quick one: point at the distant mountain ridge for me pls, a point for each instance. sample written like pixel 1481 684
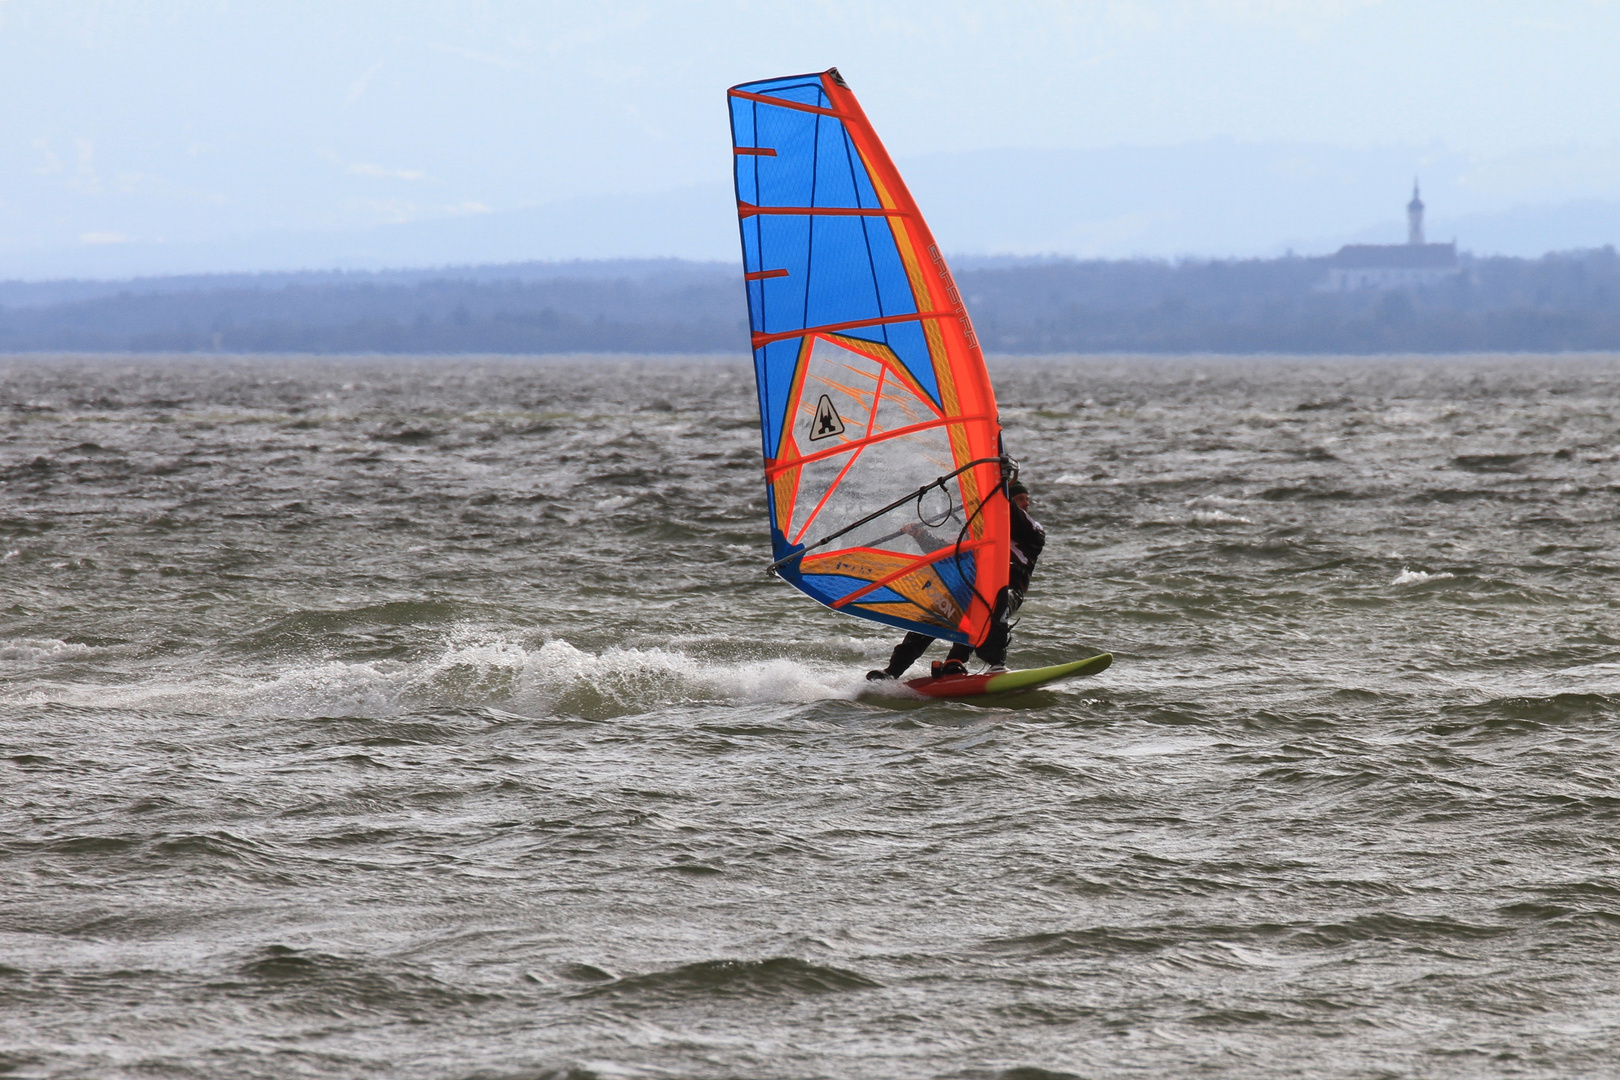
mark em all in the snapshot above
pixel 1212 199
pixel 58 291
pixel 1567 301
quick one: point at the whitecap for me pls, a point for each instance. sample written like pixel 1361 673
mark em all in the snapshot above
pixel 475 669
pixel 1408 576
pixel 1218 517
pixel 1217 501
pixel 42 650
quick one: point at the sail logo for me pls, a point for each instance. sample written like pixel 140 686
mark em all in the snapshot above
pixel 827 422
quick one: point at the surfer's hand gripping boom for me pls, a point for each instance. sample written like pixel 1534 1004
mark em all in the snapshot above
pixel 940 482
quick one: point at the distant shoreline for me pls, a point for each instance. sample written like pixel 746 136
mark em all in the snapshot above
pixel 1561 303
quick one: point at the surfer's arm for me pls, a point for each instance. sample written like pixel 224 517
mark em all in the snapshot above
pixel 1028 538
pixel 925 539
pixel 1027 535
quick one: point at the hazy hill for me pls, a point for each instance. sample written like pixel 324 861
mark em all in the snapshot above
pixel 1567 301
pixel 1175 201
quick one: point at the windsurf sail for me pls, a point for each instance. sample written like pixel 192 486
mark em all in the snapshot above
pixel 875 406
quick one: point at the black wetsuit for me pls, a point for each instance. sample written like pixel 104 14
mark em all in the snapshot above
pixel 1028 538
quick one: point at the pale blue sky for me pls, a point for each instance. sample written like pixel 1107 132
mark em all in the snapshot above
pixel 166 123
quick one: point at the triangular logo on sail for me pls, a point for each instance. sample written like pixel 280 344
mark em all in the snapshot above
pixel 827 422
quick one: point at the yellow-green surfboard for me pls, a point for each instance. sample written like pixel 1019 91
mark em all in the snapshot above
pixel 1007 682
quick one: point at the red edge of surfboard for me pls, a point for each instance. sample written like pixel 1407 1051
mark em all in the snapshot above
pixel 953 686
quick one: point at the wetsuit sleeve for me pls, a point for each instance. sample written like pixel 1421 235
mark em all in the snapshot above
pixel 929 542
pixel 1028 538
pixel 1028 535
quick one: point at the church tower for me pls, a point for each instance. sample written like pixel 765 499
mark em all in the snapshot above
pixel 1414 216
pixel 1414 264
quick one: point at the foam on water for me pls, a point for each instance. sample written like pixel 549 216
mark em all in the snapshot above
pixel 1408 576
pixel 474 669
pixel 1218 517
pixel 37 652
pixel 1218 501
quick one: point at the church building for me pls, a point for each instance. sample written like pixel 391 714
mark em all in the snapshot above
pixel 1393 266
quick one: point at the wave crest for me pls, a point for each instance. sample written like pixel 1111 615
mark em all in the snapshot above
pixel 472 671
pixel 1408 576
pixel 780 976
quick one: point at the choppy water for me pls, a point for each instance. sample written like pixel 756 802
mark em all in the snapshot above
pixel 434 719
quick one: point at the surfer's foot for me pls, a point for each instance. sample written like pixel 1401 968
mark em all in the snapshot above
pixel 946 668
pixel 995 669
pixel 877 676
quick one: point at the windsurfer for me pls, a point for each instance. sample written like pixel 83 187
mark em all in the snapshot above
pixel 1028 538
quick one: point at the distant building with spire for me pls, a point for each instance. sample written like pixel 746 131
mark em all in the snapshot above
pixel 1393 266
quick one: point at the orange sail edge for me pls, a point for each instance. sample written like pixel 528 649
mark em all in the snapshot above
pixel 965 386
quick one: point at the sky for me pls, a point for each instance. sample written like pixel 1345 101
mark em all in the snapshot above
pixel 172 135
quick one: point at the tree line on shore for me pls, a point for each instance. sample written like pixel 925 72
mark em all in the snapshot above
pixel 1560 302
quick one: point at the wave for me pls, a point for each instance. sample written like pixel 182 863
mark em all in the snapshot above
pixel 1217 501
pixel 780 976
pixel 1250 945
pixel 1217 517
pixel 306 981
pixel 36 651
pixel 473 670
pixel 1536 710
pixel 1408 576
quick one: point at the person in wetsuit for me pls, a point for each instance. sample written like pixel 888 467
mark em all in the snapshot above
pixel 1028 538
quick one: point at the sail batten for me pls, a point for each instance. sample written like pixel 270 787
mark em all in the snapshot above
pixel 854 324
pixel 871 383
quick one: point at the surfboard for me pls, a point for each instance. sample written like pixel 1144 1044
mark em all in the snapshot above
pixel 1006 682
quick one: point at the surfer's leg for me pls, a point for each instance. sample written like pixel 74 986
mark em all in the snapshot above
pixel 955 661
pixel 905 654
pixel 994 649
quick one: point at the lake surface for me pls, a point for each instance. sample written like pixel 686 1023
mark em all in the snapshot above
pixel 436 719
